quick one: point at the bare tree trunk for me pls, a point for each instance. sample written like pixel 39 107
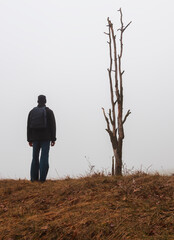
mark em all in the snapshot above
pixel 113 167
pixel 118 161
pixel 115 119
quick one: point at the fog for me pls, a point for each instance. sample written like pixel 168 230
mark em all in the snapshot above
pixel 59 49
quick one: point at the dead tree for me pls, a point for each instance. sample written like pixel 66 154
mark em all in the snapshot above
pixel 115 120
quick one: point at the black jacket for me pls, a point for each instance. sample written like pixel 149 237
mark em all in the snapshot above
pixel 46 134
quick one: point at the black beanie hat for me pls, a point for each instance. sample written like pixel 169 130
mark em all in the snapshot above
pixel 41 99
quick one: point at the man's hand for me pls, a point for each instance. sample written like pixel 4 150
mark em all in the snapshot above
pixel 30 144
pixel 52 143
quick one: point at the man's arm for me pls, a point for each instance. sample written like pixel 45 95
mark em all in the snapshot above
pixel 29 131
pixel 53 128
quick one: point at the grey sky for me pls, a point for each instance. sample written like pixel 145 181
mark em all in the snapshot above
pixel 58 48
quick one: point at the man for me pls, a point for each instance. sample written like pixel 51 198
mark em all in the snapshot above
pixel 41 131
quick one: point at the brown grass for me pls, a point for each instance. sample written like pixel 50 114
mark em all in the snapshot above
pixel 139 206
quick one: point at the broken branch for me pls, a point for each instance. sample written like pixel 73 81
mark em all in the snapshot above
pixel 107 120
pixel 127 114
pixel 127 26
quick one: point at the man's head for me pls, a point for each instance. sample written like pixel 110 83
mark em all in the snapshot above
pixel 41 99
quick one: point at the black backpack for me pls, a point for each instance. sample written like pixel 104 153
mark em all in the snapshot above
pixel 38 118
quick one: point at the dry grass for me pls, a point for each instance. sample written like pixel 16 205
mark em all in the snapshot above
pixel 138 206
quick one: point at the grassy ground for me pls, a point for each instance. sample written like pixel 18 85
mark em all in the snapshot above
pixel 138 206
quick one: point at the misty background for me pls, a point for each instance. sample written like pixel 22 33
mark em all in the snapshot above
pixel 59 49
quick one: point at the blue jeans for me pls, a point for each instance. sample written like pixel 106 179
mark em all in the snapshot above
pixel 41 166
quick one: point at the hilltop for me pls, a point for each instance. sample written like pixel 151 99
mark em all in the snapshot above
pixel 138 206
